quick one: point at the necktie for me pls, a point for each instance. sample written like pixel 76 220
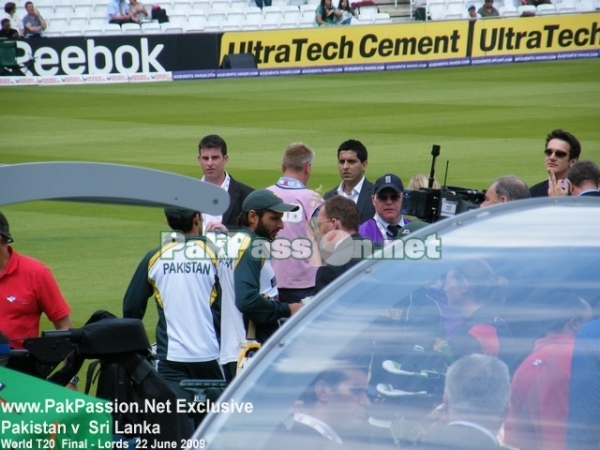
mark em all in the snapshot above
pixel 393 230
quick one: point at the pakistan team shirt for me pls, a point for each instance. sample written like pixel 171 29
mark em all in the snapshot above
pixel 252 268
pixel 183 278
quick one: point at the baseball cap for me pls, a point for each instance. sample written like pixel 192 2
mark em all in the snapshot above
pixel 389 181
pixel 266 199
pixel 4 229
pixel 470 6
pixel 411 227
pixel 185 213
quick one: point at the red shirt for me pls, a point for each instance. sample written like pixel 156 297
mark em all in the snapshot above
pixel 540 396
pixel 28 289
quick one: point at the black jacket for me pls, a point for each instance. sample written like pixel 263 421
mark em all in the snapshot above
pixel 237 193
pixel 364 203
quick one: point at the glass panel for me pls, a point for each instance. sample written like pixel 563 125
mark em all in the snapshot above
pixel 383 329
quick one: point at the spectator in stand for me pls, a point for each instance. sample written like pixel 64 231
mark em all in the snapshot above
pixel 347 13
pixel 6 32
pixel 562 151
pixel 261 3
pixel 420 10
pixel 33 22
pixel 505 189
pixel 10 11
pixel 472 13
pixel 118 12
pixel 138 12
pixel 488 10
pixel 540 388
pixel 326 14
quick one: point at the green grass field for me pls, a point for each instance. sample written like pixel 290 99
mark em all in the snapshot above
pixel 490 121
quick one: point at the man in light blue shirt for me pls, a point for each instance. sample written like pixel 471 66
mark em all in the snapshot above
pixel 118 12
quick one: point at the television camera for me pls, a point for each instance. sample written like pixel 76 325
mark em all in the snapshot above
pixel 431 205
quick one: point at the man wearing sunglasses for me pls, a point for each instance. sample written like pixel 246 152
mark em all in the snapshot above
pixel 388 220
pixel 583 179
pixel 562 151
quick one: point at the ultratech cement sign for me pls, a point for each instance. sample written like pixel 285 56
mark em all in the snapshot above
pixel 119 54
pixel 351 44
pixel 546 34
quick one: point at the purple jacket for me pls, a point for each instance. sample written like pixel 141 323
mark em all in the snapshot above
pixel 370 230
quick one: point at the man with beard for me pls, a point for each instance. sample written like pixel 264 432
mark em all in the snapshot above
pixel 262 213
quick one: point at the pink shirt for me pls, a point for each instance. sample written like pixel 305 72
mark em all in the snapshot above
pixel 296 268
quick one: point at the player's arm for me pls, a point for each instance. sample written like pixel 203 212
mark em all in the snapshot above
pixel 139 291
pixel 247 293
pixel 63 324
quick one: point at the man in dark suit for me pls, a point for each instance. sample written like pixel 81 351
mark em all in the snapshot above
pixel 337 228
pixel 584 179
pixel 352 162
pixel 332 412
pixel 477 395
pixel 562 151
pixel 213 158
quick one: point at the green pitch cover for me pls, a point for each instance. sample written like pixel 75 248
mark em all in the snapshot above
pixel 37 414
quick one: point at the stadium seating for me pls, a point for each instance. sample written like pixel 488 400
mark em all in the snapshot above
pixel 508 11
pixel 545 9
pixel 151 28
pixel 584 6
pixel 436 9
pixel 527 10
pixel 89 17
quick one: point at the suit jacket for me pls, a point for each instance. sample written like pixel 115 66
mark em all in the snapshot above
pixel 326 274
pixel 237 193
pixel 590 194
pixel 540 189
pixel 364 202
pixel 459 437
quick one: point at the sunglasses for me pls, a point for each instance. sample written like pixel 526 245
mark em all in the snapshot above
pixel 558 153
pixel 386 197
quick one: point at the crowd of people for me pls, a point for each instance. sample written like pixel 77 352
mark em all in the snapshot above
pixel 223 280
pixel 32 25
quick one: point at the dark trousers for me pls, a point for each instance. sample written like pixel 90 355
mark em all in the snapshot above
pixel 175 372
pixel 230 371
pixel 295 295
